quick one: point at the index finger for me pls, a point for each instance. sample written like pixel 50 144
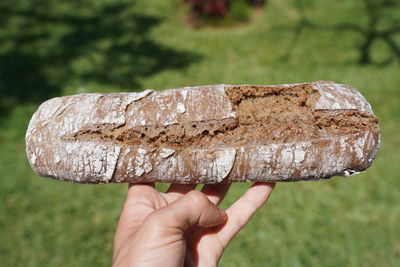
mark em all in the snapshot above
pixel 243 209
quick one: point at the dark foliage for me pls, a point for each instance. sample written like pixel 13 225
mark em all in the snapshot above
pixel 45 45
pixel 380 25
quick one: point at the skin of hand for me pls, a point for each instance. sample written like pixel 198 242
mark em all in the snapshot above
pixel 182 227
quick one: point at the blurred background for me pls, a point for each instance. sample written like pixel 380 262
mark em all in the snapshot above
pixel 52 48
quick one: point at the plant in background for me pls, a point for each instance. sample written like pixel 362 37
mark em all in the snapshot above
pixel 221 12
pixel 215 8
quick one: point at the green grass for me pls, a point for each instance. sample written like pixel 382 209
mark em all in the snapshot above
pixel 339 222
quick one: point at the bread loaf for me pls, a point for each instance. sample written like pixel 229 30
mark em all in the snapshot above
pixel 205 134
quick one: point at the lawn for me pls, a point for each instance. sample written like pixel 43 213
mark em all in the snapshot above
pixel 53 48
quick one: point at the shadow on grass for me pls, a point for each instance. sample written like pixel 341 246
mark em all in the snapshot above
pixel 376 14
pixel 45 45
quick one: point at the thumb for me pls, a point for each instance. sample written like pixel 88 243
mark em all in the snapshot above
pixel 194 208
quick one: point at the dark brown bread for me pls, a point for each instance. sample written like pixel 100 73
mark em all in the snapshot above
pixel 206 134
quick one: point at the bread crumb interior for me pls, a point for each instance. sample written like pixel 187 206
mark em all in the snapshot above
pixel 276 114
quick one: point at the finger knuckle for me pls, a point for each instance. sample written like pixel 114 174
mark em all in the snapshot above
pixel 238 220
pixel 152 219
pixel 198 198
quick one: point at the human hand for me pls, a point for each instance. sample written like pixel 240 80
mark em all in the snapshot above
pixel 182 226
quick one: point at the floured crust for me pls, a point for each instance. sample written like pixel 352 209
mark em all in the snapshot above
pixel 205 134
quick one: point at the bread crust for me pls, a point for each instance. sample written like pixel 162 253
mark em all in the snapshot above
pixel 205 134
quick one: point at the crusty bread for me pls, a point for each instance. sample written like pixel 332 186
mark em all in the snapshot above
pixel 205 134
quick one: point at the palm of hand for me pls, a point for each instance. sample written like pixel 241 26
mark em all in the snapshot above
pixel 142 237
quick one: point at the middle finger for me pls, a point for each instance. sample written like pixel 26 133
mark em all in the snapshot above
pixel 175 191
pixel 215 192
